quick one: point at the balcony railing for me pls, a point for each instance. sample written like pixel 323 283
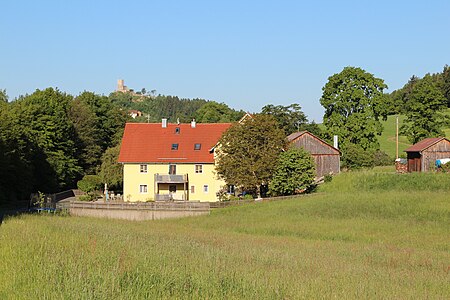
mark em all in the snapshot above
pixel 170 197
pixel 170 178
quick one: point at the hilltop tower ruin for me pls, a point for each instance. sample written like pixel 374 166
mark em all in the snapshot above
pixel 121 87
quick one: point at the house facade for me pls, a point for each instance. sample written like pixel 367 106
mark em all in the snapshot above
pixel 423 155
pixel 326 157
pixel 164 161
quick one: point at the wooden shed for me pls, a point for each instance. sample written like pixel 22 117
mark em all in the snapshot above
pixel 326 157
pixel 423 155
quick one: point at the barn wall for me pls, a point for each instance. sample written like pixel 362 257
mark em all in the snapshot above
pixel 437 151
pixel 326 158
pixel 313 145
pixel 326 164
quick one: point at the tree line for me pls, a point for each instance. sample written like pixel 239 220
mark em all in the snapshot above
pixel 355 102
pixel 49 140
pixel 256 154
pixel 423 101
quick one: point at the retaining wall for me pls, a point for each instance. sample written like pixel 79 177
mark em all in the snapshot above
pixel 139 211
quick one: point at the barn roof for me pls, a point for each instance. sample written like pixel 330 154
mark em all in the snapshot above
pixel 152 143
pixel 424 144
pixel 293 136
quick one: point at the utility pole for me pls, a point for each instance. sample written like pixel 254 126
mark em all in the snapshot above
pixel 396 138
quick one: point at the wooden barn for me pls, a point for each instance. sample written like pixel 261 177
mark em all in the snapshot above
pixel 326 157
pixel 423 155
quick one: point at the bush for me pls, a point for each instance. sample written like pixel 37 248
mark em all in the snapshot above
pixel 89 184
pixel 294 174
pixel 355 157
pixel 248 197
pixel 87 197
pixel 381 158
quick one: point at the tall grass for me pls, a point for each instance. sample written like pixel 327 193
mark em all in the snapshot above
pixel 360 236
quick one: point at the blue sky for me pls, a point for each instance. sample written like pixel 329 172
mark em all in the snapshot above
pixel 244 53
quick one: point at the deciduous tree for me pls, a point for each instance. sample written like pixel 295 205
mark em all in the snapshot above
pixel 354 101
pixel 3 96
pixel 424 111
pixel 294 173
pixel 290 118
pixel 248 152
pixel 111 171
pixel 42 117
pixel 213 112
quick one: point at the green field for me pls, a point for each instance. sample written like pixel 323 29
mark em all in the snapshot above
pixel 387 138
pixel 364 235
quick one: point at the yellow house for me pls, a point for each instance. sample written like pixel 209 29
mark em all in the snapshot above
pixel 164 161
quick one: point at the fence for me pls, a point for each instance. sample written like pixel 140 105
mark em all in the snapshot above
pixel 223 204
pixel 50 201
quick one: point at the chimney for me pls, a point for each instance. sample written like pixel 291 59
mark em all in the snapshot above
pixel 193 123
pixel 335 142
pixel 164 123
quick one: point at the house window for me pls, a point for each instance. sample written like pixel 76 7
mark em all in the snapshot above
pixel 143 189
pixel 197 146
pixel 143 168
pixel 177 130
pixel 199 169
pixel 172 169
pixel 174 146
pixel 192 189
pixel 205 188
pixel 172 188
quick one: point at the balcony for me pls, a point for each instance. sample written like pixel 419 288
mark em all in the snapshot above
pixel 166 178
pixel 170 197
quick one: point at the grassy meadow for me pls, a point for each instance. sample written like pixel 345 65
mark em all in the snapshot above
pixel 370 235
pixel 387 138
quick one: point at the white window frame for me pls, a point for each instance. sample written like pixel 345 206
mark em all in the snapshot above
pixel 141 187
pixel 205 188
pixel 143 168
pixel 198 169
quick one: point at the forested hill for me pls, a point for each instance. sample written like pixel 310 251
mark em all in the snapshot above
pixel 424 102
pixel 174 108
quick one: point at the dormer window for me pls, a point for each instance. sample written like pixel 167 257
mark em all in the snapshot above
pixel 174 146
pixel 197 146
pixel 177 130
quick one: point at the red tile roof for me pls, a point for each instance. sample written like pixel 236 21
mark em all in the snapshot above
pixel 424 144
pixel 150 143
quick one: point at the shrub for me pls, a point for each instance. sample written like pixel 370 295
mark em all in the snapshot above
pixel 89 184
pixel 355 157
pixel 294 173
pixel 248 197
pixel 328 178
pixel 87 197
pixel 381 158
pixel 222 194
